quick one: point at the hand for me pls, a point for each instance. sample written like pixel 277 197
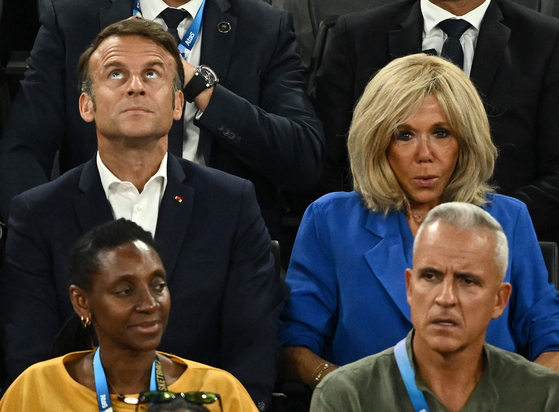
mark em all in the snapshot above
pixel 203 99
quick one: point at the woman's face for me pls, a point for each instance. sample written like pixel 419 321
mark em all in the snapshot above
pixel 423 155
pixel 129 300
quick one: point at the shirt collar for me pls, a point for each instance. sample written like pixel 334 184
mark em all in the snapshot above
pixel 152 8
pixel 108 178
pixel 433 15
pixel 485 395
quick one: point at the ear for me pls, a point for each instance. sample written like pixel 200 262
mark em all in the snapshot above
pixel 409 274
pixel 86 108
pixel 179 103
pixel 502 298
pixel 80 301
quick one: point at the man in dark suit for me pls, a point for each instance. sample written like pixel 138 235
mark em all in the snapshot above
pixel 258 124
pixel 514 61
pixel 216 250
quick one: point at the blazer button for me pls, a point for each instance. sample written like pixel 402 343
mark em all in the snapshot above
pixel 220 127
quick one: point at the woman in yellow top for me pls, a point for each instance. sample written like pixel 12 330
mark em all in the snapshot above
pixel 118 288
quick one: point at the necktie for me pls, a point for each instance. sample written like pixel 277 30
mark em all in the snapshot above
pixel 452 49
pixel 172 18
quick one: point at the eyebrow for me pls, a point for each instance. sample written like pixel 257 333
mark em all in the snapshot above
pixel 463 275
pixel 459 275
pixel 405 125
pixel 117 64
pixel 431 270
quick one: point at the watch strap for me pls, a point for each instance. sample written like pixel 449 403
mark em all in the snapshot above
pixel 194 87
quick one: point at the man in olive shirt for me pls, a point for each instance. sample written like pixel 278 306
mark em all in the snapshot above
pixel 454 290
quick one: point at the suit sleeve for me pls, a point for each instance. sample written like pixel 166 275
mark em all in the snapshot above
pixel 280 137
pixel 251 305
pixel 542 195
pixel 310 313
pixel 334 105
pixel 37 121
pixel 29 313
pixel 534 303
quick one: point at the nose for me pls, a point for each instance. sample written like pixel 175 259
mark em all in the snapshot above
pixel 147 301
pixel 136 86
pixel 424 150
pixel 446 296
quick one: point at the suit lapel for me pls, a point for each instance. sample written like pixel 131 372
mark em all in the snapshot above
pixel 387 258
pixel 217 47
pixel 407 40
pixel 92 207
pixel 490 48
pixel 174 214
pixel 116 11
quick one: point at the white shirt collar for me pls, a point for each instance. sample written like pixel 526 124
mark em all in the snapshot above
pixel 152 8
pixel 108 178
pixel 433 15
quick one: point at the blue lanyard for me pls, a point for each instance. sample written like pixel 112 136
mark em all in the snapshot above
pixel 416 396
pixel 191 35
pixel 101 385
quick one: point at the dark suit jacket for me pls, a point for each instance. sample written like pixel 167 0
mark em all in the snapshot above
pixel 515 69
pixel 263 126
pixel 225 296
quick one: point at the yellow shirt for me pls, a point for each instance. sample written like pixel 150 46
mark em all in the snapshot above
pixel 47 387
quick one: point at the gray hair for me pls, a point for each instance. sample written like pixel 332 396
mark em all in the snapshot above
pixel 465 216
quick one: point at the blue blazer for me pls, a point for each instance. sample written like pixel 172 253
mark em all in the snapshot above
pixel 225 297
pixel 348 292
pixel 514 70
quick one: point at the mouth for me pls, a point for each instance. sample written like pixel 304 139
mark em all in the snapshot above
pixel 136 110
pixel 425 181
pixel 148 327
pixel 444 322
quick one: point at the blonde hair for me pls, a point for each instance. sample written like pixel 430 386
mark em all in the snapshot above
pixel 390 98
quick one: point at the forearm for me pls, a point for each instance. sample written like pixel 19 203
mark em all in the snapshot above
pixel 303 365
pixel 549 360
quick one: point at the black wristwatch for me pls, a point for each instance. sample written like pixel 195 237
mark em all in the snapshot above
pixel 203 79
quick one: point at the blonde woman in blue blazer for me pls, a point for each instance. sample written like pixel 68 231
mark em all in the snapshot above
pixel 419 137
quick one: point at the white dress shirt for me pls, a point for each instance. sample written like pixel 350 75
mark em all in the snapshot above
pixel 434 37
pixel 127 202
pixel 150 11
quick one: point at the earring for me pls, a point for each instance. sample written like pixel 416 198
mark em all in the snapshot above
pixel 85 321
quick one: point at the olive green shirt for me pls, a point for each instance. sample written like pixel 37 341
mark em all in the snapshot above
pixel 509 383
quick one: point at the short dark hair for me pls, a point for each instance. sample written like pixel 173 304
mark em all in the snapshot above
pixel 130 27
pixel 83 263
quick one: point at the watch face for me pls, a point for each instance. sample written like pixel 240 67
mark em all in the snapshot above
pixel 208 75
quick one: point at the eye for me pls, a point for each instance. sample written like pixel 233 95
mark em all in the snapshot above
pixel 429 276
pixel 441 133
pixel 123 291
pixel 116 75
pixel 469 281
pixel 160 286
pixel 151 74
pixel 403 135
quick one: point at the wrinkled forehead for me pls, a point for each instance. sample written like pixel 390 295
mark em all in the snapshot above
pixel 446 248
pixel 130 51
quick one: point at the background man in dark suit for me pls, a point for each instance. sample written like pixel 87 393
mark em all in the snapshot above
pixel 216 249
pixel 512 56
pixel 258 124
